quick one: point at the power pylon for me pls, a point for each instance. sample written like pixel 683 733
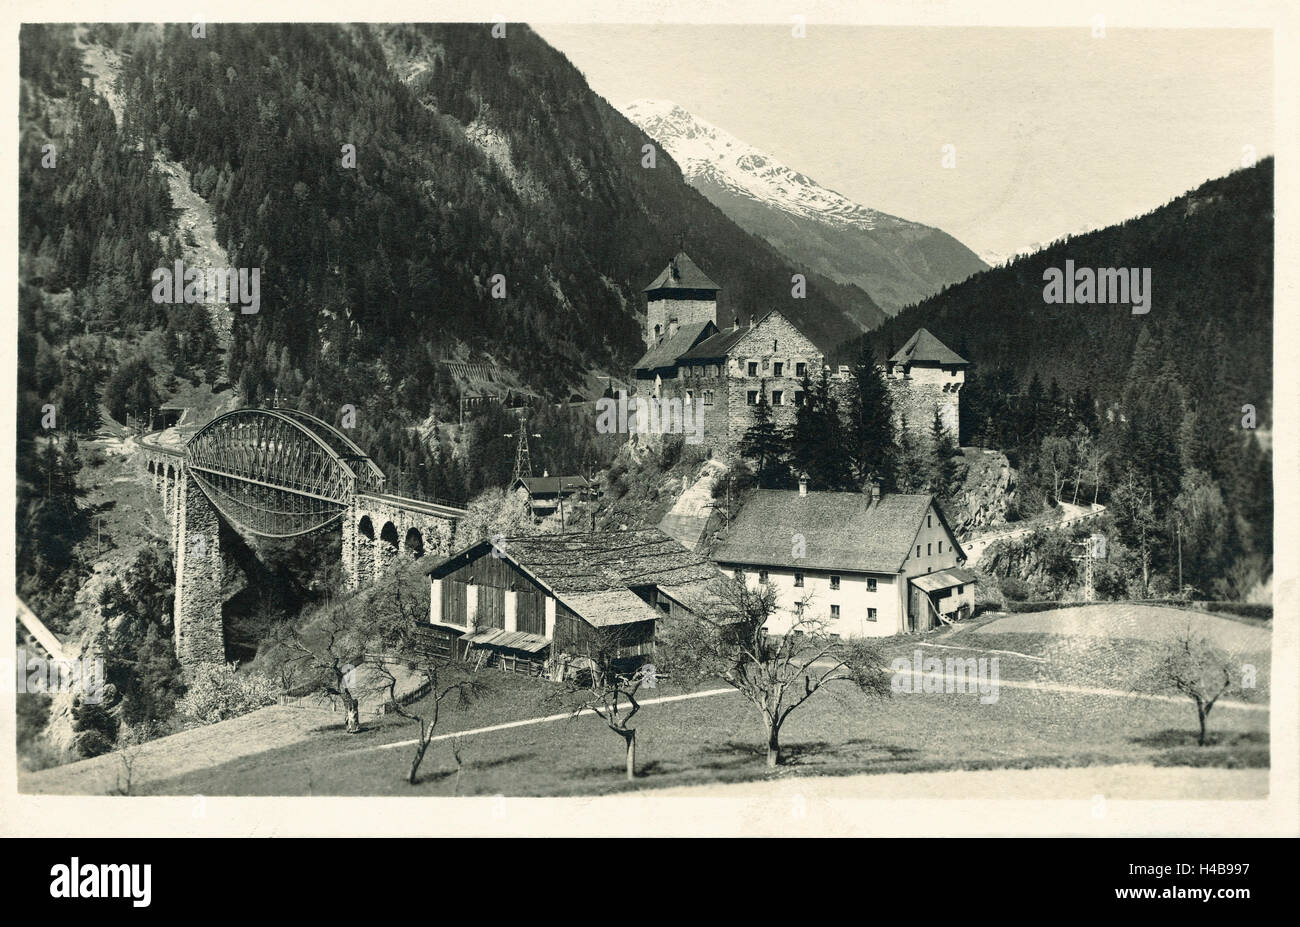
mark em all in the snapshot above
pixel 523 463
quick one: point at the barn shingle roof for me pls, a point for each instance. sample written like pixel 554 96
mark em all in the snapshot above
pixel 841 530
pixel 924 348
pixel 601 561
pixel 594 573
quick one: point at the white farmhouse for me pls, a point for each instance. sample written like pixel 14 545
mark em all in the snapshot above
pixel 868 565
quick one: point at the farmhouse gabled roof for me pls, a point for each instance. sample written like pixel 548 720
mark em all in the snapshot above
pixel 671 347
pixel 841 531
pixel 924 348
pixel 682 273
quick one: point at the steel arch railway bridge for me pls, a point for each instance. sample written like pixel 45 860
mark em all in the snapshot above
pixel 277 473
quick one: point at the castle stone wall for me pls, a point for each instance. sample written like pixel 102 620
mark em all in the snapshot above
pixel 686 311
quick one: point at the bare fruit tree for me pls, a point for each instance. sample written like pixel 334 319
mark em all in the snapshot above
pixel 775 673
pixel 1191 665
pixel 323 656
pixel 606 685
pixel 404 655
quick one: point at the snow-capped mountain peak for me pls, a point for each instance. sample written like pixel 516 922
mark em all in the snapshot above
pixel 706 153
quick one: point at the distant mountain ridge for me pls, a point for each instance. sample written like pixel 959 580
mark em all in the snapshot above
pixel 896 261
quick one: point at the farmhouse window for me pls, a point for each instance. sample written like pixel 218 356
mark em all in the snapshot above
pixel 959 589
pixel 835 582
pixel 918 550
pixel 753 368
pixel 927 550
pixel 778 397
pixel 801 370
pixel 835 613
pixel 762 576
pixel 778 369
pixel 871 584
pixel 798 580
pixel 941 547
pixel 871 614
pixel 752 397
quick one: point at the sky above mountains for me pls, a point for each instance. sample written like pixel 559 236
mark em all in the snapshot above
pixel 1053 131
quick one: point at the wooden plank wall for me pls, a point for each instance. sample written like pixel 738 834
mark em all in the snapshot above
pixel 453 602
pixel 530 612
pixel 491 607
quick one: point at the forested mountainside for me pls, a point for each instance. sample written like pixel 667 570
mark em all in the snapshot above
pixel 1210 252
pixel 475 156
pixel 1165 417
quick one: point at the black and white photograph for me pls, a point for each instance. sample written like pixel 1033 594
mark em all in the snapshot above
pixel 781 411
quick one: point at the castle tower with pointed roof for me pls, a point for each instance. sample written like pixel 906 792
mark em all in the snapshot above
pixel 925 375
pixel 681 296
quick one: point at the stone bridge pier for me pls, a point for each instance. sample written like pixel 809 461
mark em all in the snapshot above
pixel 197 632
pixel 380 531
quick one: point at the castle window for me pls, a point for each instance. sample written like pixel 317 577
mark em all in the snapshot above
pixel 778 369
pixel 690 396
pixel 918 550
pixel 928 521
pixel 871 614
pixel 778 397
pixel 835 613
pixel 708 397
pixel 871 584
pixel 751 397
pixel 941 547
pixel 753 368
pixel 835 582
pixel 959 589
pixel 927 550
pixel 798 580
pixel 656 332
pixel 801 370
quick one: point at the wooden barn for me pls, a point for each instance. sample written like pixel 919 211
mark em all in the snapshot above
pixel 531 603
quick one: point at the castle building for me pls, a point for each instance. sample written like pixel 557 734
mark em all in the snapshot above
pixel 923 376
pixel 718 370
